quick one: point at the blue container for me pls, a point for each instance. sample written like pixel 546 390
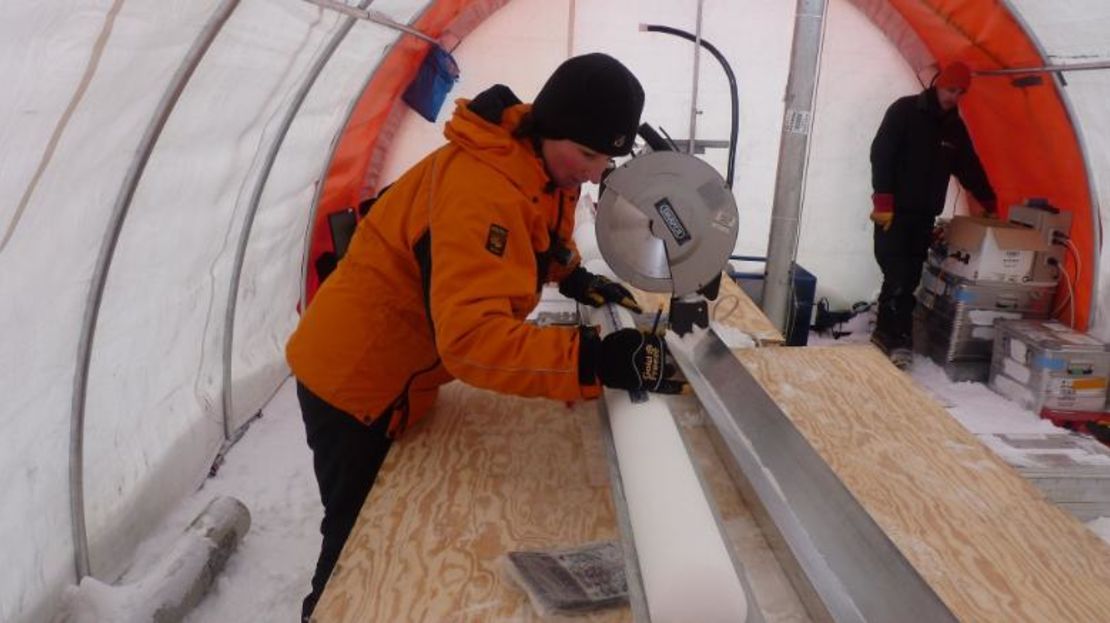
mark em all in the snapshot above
pixel 805 290
pixel 434 80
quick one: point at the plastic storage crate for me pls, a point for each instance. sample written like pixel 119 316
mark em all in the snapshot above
pixel 1046 365
pixel 954 322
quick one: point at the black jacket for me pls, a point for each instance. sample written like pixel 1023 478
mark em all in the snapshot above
pixel 918 146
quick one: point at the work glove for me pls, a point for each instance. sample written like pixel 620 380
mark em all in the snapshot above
pixel 882 212
pixel 629 359
pixel 595 290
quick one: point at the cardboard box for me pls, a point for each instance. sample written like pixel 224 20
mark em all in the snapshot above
pixel 983 249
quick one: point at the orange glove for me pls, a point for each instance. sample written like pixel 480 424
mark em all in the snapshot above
pixel 882 213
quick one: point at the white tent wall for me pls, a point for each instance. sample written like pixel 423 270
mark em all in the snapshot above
pixel 73 109
pixel 153 417
pixel 1078 31
pixel 835 238
pixel 83 79
pixel 156 373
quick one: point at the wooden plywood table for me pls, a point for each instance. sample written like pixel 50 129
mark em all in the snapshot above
pixel 981 536
pixel 489 473
pixel 732 308
pixel 483 475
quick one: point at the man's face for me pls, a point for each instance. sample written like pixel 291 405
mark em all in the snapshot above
pixel 570 164
pixel 949 97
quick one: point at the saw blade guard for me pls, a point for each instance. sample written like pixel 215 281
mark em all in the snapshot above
pixel 666 222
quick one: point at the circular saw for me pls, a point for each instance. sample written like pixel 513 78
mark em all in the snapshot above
pixel 666 222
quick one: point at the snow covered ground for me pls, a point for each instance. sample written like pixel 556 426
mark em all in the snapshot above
pixel 270 470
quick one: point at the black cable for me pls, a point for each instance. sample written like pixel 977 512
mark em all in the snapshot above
pixel 670 140
pixel 735 131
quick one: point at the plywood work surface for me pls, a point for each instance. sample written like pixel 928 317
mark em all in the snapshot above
pixel 483 475
pixel 984 539
pixel 733 308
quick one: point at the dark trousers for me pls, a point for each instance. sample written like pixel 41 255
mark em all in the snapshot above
pixel 901 253
pixel 346 455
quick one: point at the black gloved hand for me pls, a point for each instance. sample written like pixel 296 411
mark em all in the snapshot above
pixel 596 290
pixel 631 359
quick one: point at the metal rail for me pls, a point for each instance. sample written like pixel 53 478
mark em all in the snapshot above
pixel 857 573
pixel 104 263
pixel 790 176
pixel 1045 68
pixel 291 112
pixel 371 16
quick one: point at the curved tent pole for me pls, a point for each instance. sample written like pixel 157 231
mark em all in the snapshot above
pixel 371 16
pixel 452 20
pixel 1065 97
pixel 255 199
pixel 734 97
pixel 103 264
pixel 305 257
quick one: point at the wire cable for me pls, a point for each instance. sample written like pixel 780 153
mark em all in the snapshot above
pixel 1069 300
pixel 1075 256
pixel 1071 297
pixel 733 92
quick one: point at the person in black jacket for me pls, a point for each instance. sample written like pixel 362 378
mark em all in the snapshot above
pixel 920 143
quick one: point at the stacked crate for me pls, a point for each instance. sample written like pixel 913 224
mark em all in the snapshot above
pixel 1050 369
pixel 954 318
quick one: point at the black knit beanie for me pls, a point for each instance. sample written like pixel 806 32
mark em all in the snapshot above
pixel 592 100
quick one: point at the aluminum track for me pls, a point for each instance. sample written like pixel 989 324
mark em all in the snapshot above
pixel 841 555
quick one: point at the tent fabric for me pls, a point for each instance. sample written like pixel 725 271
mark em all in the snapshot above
pixel 352 174
pixel 82 81
pixel 1024 135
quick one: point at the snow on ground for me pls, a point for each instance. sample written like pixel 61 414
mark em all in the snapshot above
pixel 270 470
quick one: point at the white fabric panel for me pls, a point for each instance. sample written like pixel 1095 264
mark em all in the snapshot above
pixel 270 284
pixel 1090 92
pixel 1078 31
pixel 77 97
pixel 82 78
pixel 835 241
pixel 154 418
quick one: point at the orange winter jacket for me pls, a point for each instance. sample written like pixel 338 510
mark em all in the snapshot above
pixel 439 277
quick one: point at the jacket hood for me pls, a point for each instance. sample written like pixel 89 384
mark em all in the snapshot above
pixel 483 127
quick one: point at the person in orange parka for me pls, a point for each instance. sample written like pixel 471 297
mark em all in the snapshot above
pixel 443 270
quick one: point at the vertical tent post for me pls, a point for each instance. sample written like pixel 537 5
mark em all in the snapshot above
pixel 801 91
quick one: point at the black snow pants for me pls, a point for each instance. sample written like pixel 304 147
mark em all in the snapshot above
pixel 346 455
pixel 901 253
